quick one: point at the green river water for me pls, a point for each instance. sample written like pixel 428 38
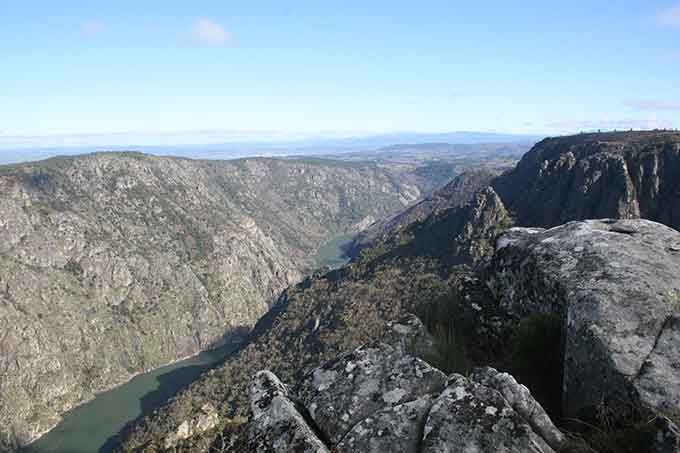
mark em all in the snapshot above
pixel 93 426
pixel 332 253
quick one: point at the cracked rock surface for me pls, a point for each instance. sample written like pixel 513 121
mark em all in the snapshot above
pixel 343 392
pixel 397 427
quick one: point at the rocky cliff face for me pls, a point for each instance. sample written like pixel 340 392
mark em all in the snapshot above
pixel 114 263
pixel 588 176
pixel 593 176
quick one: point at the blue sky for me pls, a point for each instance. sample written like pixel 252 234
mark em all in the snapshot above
pixel 309 67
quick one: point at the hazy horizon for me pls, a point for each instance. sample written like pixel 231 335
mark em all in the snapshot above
pixel 257 138
pixel 245 146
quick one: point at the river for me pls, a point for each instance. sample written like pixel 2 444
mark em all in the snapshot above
pixel 93 426
pixel 332 253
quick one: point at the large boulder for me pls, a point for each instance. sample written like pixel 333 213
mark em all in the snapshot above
pixel 616 284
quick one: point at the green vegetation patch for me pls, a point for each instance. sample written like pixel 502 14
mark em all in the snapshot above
pixel 72 266
pixel 333 253
pixel 673 298
pixel 626 429
pixel 536 358
pixel 443 319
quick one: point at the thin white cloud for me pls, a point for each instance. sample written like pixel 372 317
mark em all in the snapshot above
pixel 93 27
pixel 208 32
pixel 653 105
pixel 670 16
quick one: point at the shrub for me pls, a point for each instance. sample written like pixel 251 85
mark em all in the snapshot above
pixel 448 352
pixel 73 267
pixel 536 358
pixel 442 318
pixel 620 428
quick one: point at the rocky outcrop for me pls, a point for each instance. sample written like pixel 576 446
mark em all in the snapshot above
pixel 593 176
pixel 468 416
pixel 343 392
pixel 453 236
pixel 115 263
pixel 207 420
pixel 462 189
pixel 379 398
pixel 615 284
pixel 483 219
pixel 520 399
pixel 277 424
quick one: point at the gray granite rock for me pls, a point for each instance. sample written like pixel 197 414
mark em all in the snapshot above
pixel 396 429
pixel 520 399
pixel 277 425
pixel 470 417
pixel 380 398
pixel 658 379
pixel 350 388
pixel 616 285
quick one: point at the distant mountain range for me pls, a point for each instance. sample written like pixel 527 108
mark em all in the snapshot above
pixel 23 149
